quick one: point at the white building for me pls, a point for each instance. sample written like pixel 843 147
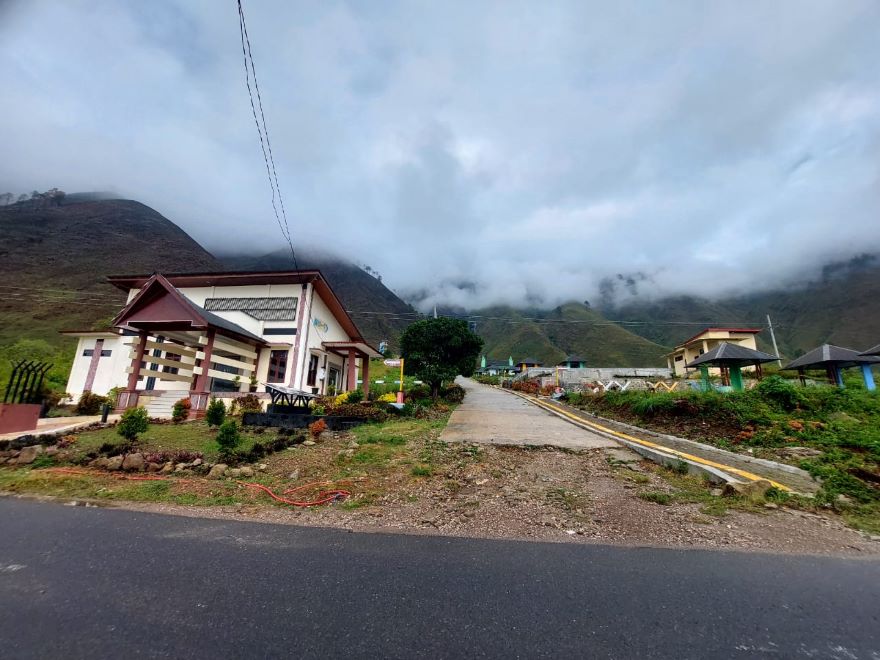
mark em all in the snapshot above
pixel 221 334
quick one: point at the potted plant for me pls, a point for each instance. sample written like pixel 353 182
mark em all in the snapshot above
pixel 253 387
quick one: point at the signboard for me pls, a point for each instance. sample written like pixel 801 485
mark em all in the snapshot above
pixel 392 363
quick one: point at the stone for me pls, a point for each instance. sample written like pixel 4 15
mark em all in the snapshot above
pixel 843 499
pixel 247 471
pixel 770 505
pixel 262 467
pixel 100 463
pixel 134 462
pixel 325 436
pixel 153 467
pixel 168 468
pixel 293 476
pixel 218 471
pixel 798 452
pixel 115 463
pixel 309 443
pixel 52 451
pixel 29 454
pixel 233 473
pixel 197 462
pixel 716 492
pixel 753 490
pixel 353 444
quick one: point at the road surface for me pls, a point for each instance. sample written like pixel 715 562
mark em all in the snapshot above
pixel 81 582
pixel 491 416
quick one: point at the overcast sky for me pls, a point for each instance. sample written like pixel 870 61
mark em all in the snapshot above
pixel 525 150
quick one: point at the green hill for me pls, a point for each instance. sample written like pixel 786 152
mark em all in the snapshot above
pixel 842 306
pixel 571 328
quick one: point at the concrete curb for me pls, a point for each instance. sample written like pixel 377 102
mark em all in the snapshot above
pixel 716 473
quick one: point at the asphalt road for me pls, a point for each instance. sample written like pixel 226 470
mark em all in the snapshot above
pixel 104 583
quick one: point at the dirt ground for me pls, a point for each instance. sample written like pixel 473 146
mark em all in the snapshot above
pixel 543 494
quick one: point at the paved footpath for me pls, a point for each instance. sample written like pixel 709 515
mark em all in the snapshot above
pixel 494 417
pixel 101 583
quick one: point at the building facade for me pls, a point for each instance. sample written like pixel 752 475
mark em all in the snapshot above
pixel 705 341
pixel 221 334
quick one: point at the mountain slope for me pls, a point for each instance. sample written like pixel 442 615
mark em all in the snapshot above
pixel 841 307
pixel 571 328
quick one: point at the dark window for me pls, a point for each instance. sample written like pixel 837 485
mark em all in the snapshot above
pixel 277 366
pixel 679 358
pixel 106 353
pixel 313 371
pixel 89 352
pixel 332 380
pixel 171 370
pixel 279 331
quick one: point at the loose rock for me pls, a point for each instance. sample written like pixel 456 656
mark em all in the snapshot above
pixel 218 471
pixel 247 471
pixel 29 454
pixel 133 462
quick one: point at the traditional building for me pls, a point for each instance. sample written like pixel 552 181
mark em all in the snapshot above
pixel 573 362
pixel 221 334
pixel 705 341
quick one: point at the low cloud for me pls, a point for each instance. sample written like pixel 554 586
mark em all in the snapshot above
pixel 472 153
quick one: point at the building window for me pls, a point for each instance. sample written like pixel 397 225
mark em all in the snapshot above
pixel 171 370
pixel 679 358
pixel 313 371
pixel 332 380
pixel 277 366
pixel 89 352
pixel 279 331
pixel 106 353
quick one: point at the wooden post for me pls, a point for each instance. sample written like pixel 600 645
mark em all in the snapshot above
pixel 351 383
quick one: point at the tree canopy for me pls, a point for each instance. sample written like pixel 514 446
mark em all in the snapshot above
pixel 437 350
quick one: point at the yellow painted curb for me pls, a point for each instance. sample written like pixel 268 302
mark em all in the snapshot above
pixel 653 445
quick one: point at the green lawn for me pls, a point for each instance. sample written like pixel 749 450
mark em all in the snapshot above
pixel 190 436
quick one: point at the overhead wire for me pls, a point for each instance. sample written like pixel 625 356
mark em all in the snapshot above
pixel 263 132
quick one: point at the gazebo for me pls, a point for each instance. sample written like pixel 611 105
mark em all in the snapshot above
pixel 833 359
pixel 731 358
pixel 874 350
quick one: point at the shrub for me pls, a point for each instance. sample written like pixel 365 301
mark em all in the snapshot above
pixel 249 403
pixel 417 392
pixel 90 404
pixel 341 398
pixel 134 422
pixel 780 391
pixel 453 394
pixel 317 427
pixel 216 412
pixel 180 411
pixel 389 397
pixel 173 455
pixel 375 413
pixel 228 436
pixel 355 396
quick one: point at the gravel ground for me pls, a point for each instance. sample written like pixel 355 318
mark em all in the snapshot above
pixel 543 494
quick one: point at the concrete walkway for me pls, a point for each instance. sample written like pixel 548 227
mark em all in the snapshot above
pixel 491 416
pixel 49 425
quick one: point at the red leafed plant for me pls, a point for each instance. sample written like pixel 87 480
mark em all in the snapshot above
pixel 316 428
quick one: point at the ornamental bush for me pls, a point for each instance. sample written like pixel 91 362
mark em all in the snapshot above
pixel 317 427
pixel 180 411
pixel 228 436
pixel 216 412
pixel 90 404
pixel 134 422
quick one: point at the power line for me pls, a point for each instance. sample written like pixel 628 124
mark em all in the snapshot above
pixel 263 130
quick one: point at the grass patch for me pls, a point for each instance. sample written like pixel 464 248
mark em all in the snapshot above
pixel 422 471
pixel 656 497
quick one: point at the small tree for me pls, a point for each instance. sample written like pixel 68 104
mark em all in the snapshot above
pixel 437 350
pixel 228 437
pixel 134 422
pixel 180 411
pixel 216 412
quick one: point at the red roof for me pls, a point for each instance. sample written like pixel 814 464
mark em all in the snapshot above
pixel 753 331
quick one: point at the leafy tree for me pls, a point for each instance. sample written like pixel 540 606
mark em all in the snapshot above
pixel 7 198
pixel 216 412
pixel 134 422
pixel 437 350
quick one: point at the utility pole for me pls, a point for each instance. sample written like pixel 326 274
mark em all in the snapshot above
pixel 773 339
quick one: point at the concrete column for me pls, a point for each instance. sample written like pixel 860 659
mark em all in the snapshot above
pixel 869 377
pixel 203 378
pixel 736 379
pixel 351 383
pixel 136 361
pixel 365 370
pixel 704 376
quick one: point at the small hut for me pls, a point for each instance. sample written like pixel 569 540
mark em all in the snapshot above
pixel 730 358
pixel 573 362
pixel 833 359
